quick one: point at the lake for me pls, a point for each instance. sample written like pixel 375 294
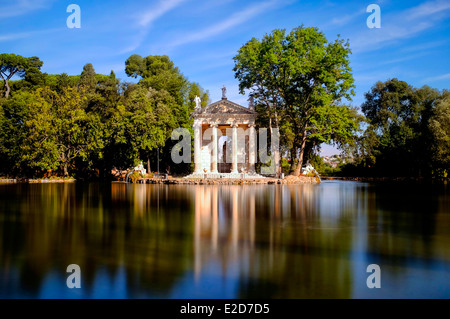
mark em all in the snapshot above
pixel 225 241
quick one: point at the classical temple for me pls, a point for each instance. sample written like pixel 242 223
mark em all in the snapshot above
pixel 224 140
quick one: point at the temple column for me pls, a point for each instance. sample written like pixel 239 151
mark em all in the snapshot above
pixel 234 166
pixel 197 147
pixel 214 155
pixel 252 148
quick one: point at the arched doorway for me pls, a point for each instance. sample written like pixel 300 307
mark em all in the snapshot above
pixel 223 151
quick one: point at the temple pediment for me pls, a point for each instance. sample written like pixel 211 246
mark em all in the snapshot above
pixel 224 107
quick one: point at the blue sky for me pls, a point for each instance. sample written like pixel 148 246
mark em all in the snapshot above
pixel 202 36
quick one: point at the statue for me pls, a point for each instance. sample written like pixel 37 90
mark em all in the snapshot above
pixel 251 103
pixel 224 93
pixel 197 101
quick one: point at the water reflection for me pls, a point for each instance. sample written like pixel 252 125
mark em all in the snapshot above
pixel 227 241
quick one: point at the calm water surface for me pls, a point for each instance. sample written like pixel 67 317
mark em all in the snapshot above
pixel 260 241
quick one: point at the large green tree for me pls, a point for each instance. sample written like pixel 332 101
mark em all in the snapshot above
pixel 294 77
pixel 78 131
pixel 398 116
pixel 12 64
pixel 27 138
pixel 159 73
pixel 404 132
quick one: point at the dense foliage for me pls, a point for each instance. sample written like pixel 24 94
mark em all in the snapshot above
pixel 407 134
pixel 298 81
pixel 89 124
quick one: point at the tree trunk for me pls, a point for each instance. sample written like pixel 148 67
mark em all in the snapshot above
pixel 300 157
pixel 293 160
pixel 66 172
pixel 8 89
pixel 277 151
pixel 148 165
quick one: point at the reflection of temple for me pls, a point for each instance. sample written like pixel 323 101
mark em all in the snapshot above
pixel 224 140
pixel 223 224
pixel 225 227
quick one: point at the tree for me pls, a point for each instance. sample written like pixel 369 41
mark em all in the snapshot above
pixel 336 124
pixel 440 129
pixel 149 120
pixel 295 77
pixel 62 81
pixel 28 138
pixel 88 77
pixel 33 75
pixel 196 90
pixel 78 132
pixel 398 117
pixel 134 66
pixel 160 73
pixel 12 64
pixel 402 138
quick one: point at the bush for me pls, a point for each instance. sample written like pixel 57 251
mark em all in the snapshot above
pixel 285 166
pixel 135 176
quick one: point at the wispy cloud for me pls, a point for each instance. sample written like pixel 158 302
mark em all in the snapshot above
pixel 424 46
pixel 235 20
pixel 404 58
pixel 147 18
pixel 437 78
pixel 137 40
pixel 21 7
pixel 428 8
pixel 154 13
pixel 402 25
pixel 344 19
pixel 21 35
pixel 382 37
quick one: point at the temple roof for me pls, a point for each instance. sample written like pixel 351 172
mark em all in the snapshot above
pixel 223 107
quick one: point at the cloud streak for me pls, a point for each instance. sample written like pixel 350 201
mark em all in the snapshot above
pixel 154 13
pixel 21 35
pixel 428 8
pixel 22 7
pixel 147 18
pixel 235 20
pixel 437 78
pixel 344 19
pixel 403 25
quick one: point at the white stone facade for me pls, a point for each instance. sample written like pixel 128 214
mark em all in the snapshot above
pixel 230 127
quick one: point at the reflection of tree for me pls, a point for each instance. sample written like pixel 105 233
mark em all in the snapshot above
pixel 279 241
pixel 51 226
pixel 274 236
pixel 402 223
pixel 297 257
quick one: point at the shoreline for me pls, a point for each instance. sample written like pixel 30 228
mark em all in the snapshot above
pixel 229 181
pixel 236 181
pixel 35 181
pixel 181 181
pixel 381 179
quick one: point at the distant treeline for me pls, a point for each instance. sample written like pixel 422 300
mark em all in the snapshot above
pixel 406 134
pixel 88 124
